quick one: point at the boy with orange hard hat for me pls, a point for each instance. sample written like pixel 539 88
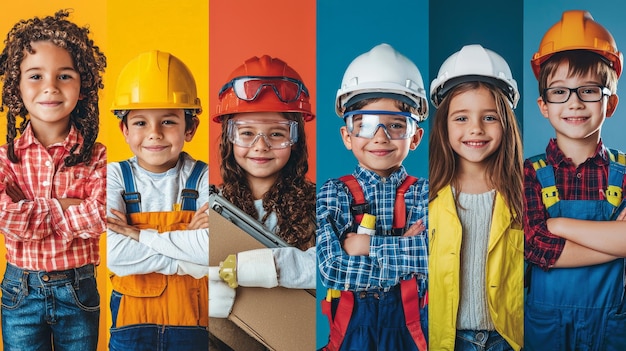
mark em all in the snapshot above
pixel 575 279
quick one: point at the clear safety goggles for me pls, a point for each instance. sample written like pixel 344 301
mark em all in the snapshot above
pixel 396 125
pixel 248 88
pixel 276 135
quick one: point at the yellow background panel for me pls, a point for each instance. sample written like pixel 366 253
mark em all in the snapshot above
pixel 124 29
pixel 133 27
pixel 178 27
pixel 89 13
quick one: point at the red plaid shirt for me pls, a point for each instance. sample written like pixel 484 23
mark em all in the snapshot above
pixel 583 183
pixel 39 235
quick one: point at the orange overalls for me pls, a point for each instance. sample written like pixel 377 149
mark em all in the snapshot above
pixel 155 299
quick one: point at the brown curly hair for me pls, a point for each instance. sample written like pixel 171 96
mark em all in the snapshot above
pixel 292 197
pixel 90 63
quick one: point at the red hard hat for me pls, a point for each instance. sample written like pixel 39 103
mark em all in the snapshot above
pixel 266 101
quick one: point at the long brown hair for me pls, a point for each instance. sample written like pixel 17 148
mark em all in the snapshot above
pixel 291 198
pixel 89 62
pixel 505 165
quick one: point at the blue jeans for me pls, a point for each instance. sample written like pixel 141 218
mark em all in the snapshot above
pixel 480 340
pixel 45 309
pixel 154 337
pixel 378 323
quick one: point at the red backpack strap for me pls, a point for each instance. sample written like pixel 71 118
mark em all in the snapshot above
pixel 339 324
pixel 359 206
pixel 399 207
pixel 408 288
pixel 411 306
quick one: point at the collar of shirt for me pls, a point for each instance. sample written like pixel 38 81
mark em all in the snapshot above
pixel 556 157
pixel 28 138
pixel 183 159
pixel 370 177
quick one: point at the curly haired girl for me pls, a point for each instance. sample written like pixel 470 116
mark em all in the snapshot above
pixel 262 111
pixel 286 197
pixel 53 187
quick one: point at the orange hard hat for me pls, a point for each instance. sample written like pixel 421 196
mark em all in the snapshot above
pixel 577 30
pixel 263 84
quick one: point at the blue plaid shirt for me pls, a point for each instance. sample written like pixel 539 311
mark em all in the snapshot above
pixel 391 258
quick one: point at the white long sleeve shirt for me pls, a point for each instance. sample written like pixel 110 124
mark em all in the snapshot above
pixel 155 252
pixel 295 268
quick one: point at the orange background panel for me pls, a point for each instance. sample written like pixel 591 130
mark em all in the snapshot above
pixel 89 13
pixel 241 29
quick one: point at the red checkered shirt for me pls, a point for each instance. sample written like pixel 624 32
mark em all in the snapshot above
pixel 39 235
pixel 584 182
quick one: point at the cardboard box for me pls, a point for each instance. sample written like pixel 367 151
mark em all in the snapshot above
pixel 232 336
pixel 280 319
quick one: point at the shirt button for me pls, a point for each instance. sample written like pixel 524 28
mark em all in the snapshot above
pixel 45 183
pixel 579 175
pixel 48 164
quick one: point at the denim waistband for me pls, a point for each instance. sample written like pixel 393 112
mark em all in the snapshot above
pixel 378 293
pixel 40 278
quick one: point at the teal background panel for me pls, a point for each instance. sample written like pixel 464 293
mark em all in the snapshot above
pixel 346 29
pixel 539 16
pixel 494 24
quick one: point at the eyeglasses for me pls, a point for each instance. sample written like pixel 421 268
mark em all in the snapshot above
pixel 248 88
pixel 585 93
pixel 396 125
pixel 276 134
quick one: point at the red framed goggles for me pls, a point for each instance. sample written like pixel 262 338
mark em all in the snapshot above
pixel 249 88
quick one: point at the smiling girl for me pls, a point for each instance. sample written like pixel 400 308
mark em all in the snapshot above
pixel 262 110
pixel 476 241
pixel 53 185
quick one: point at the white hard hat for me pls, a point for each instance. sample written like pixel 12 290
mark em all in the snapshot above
pixel 382 72
pixel 474 63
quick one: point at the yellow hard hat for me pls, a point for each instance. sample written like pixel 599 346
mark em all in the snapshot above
pixel 155 80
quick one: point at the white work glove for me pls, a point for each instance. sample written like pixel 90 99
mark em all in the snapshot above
pixel 221 296
pixel 254 268
pixel 195 270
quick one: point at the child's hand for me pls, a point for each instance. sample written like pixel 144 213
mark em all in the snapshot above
pixel 14 192
pixel 415 228
pixel 67 202
pixel 200 219
pixel 622 216
pixel 221 296
pixel 357 244
pixel 119 225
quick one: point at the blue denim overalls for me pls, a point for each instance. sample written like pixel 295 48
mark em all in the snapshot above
pixel 577 308
pixel 377 319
